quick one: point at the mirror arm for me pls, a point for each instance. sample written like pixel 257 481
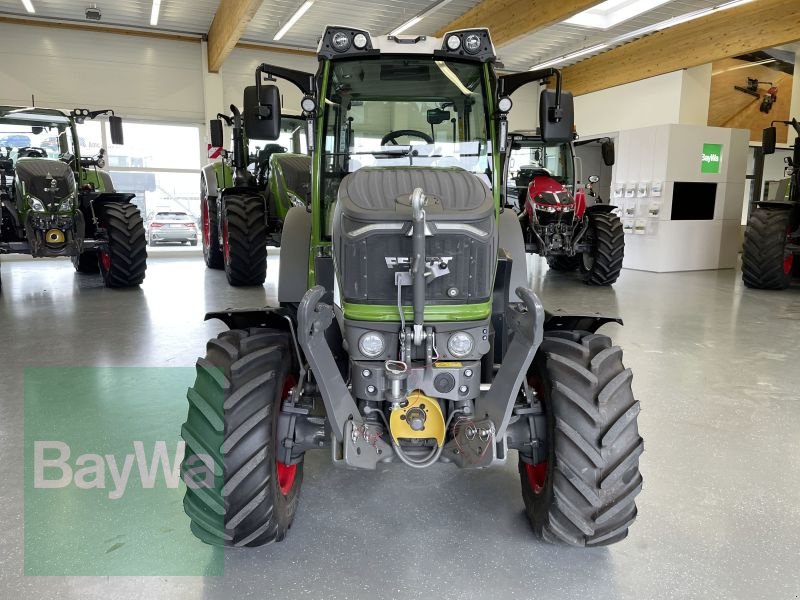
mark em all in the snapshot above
pixel 300 79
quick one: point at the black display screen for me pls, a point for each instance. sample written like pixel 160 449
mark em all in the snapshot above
pixel 693 201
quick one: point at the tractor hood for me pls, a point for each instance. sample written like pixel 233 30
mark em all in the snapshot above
pixel 46 179
pixel 372 234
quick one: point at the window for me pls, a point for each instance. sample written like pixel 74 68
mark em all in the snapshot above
pixel 159 163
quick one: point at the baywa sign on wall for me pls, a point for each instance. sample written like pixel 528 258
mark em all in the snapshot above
pixel 711 159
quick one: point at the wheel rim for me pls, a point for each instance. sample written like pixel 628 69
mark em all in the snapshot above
pixel 537 473
pixel 537 476
pixel 105 260
pixel 788 263
pixel 286 473
pixel 226 250
pixel 206 224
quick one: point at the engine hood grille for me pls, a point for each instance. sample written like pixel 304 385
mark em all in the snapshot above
pixel 48 180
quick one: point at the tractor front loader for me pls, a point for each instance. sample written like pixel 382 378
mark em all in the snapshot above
pixel 406 330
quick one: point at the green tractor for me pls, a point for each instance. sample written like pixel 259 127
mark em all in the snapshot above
pixel 245 196
pixel 56 202
pixel 772 239
pixel 406 330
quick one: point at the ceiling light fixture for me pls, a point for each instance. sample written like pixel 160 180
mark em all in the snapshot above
pixel 293 19
pixel 419 16
pixel 28 6
pixel 661 26
pixel 613 12
pixel 154 12
pixel 570 56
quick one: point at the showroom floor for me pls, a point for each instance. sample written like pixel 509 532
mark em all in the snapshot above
pixel 717 369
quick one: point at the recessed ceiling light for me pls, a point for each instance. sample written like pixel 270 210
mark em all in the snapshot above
pixel 28 6
pixel 418 17
pixel 613 12
pixel 661 26
pixel 154 12
pixel 293 19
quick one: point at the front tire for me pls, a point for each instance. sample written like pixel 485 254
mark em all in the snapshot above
pixel 584 493
pixel 766 265
pixel 212 253
pixel 603 264
pixel 244 240
pixel 123 260
pixel 234 408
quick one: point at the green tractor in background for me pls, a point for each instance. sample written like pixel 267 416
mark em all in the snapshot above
pixel 406 328
pixel 245 196
pixel 55 202
pixel 770 256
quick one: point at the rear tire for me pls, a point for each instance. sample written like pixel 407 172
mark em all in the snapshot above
pixel 244 240
pixel 212 252
pixel 603 264
pixel 584 494
pixel 234 408
pixel 765 263
pixel 86 262
pixel 564 263
pixel 123 260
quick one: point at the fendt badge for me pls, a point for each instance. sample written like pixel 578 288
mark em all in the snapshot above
pixel 397 261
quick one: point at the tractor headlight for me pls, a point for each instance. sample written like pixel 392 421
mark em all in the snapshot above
pixel 340 41
pixel 360 41
pixel 472 43
pixel 371 344
pixel 460 344
pixel 66 204
pixel 453 42
pixel 36 204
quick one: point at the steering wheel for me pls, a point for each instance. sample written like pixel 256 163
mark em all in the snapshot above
pixel 31 152
pixel 391 137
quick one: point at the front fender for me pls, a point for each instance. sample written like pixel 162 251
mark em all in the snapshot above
pixel 600 208
pixel 554 321
pixel 244 318
pixel 209 174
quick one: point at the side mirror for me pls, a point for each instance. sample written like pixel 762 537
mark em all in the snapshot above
pixel 768 140
pixel 607 150
pixel 556 125
pixel 262 116
pixel 115 124
pixel 217 133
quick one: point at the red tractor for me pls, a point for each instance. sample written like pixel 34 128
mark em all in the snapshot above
pixel 572 228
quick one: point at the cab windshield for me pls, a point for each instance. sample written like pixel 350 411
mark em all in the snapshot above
pixel 20 129
pixel 404 111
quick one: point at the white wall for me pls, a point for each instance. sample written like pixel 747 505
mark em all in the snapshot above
pixel 138 77
pixel 677 97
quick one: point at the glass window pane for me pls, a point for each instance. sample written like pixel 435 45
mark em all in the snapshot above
pixel 90 138
pixel 157 192
pixel 154 145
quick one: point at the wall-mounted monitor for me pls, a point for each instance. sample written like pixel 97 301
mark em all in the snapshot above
pixel 693 201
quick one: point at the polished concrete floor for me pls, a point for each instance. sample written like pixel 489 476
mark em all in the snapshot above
pixel 717 369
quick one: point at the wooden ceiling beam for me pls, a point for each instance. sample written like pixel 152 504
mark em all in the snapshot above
pixel 508 20
pixel 746 28
pixel 230 21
